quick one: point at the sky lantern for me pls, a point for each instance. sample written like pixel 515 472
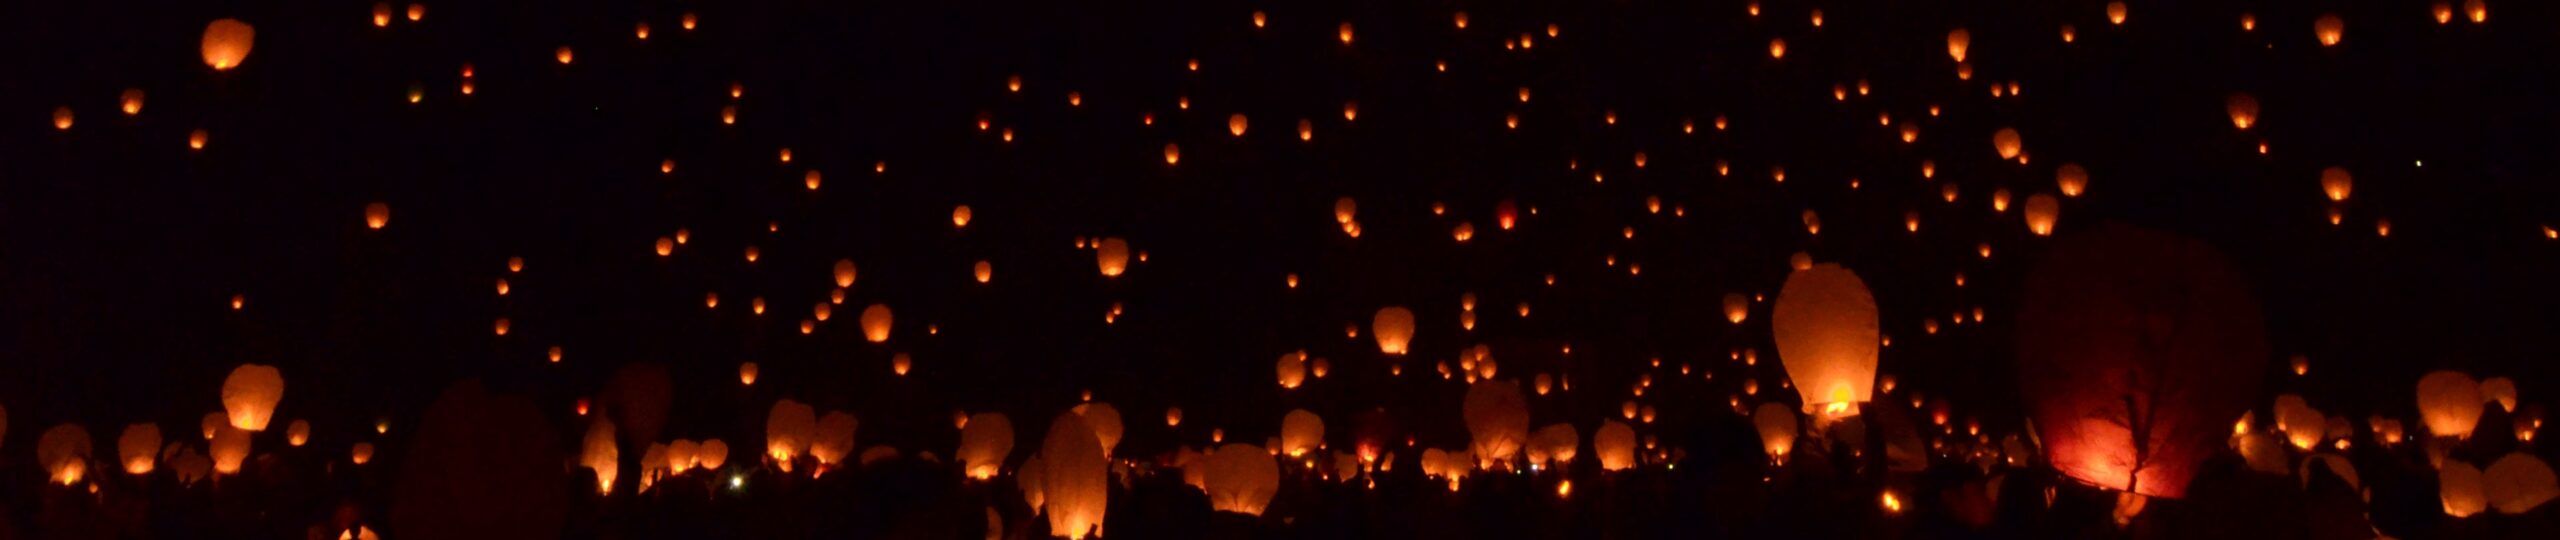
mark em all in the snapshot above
pixel 1236 124
pixel 1498 416
pixel 2329 28
pixel 62 118
pixel 2450 403
pixel 1240 478
pixel 747 373
pixel 1172 154
pixel 64 452
pixel 2499 390
pixel 1076 482
pixel 2518 483
pixel 680 455
pixel 297 433
pixel 250 395
pixel 138 446
pixel 1292 369
pixel 2135 351
pixel 230 448
pixel 2115 12
pixel 2461 487
pixel 377 215
pixel 2073 179
pixel 131 101
pixel 1300 432
pixel 2243 108
pixel 2337 183
pixel 360 453
pixel 1393 328
pixel 1615 443
pixel 984 271
pixel 1344 32
pixel 2302 425
pixel 563 54
pixel 1777 48
pixel 960 216
pixel 1344 209
pixel 598 453
pixel 1957 41
pixel 1736 307
pixel 984 443
pixel 834 437
pixel 1557 443
pixel 2006 141
pixel 226 43
pixel 875 323
pixel 1112 255
pixel 212 423
pixel 2042 211
pixel 1825 326
pixel 788 430
pixel 844 273
pixel 1105 421
pixel 1778 429
pixel 712 454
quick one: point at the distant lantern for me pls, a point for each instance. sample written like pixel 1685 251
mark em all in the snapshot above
pixel 1498 418
pixel 2519 483
pixel 138 447
pixel 1393 328
pixel 1301 432
pixel 2302 425
pixel 131 101
pixel 2337 183
pixel 788 429
pixel 1291 369
pixel 2115 12
pixel 2243 108
pixel 1615 443
pixel 1736 307
pixel 2499 390
pixel 1556 444
pixel 250 395
pixel 747 373
pixel 229 449
pixel 196 139
pixel 875 323
pixel 297 433
pixel 381 14
pixel 64 452
pixel 900 363
pixel 1778 429
pixel 1239 478
pixel 226 43
pixel 2462 489
pixel 1236 124
pixel 960 216
pixel 2330 28
pixel 984 271
pixel 1344 209
pixel 2072 179
pixel 2042 211
pixel 62 118
pixel 1112 256
pixel 1825 327
pixel 2006 141
pixel 833 439
pixel 809 179
pixel 1957 41
pixel 377 215
pixel 1777 48
pixel 417 11
pixel 2122 319
pixel 598 453
pixel 1306 130
pixel 2450 403
pixel 1076 480
pixel 641 30
pixel 984 443
pixel 1344 32
pixel 844 273
pixel 1172 154
pixel 563 54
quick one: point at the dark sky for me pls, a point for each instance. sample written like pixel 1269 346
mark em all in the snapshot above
pixel 120 248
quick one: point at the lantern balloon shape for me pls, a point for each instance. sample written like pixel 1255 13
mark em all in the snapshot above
pixel 1113 256
pixel 250 395
pixel 1825 325
pixel 138 446
pixel 2072 179
pixel 2499 390
pixel 984 443
pixel 1240 478
pixel 64 452
pixel 712 455
pixel 834 437
pixel 2006 141
pixel 2135 351
pixel 680 455
pixel 1957 41
pixel 1778 429
pixel 226 43
pixel 481 466
pixel 598 453
pixel 2337 183
pixel 1300 432
pixel 2042 211
pixel 2450 403
pixel 1105 421
pixel 2302 425
pixel 1557 443
pixel 2518 483
pixel 2329 28
pixel 1393 327
pixel 1616 445
pixel 844 273
pixel 788 430
pixel 875 323
pixel 297 433
pixel 1736 307
pixel 1498 416
pixel 1077 483
pixel 2463 490
pixel 1292 369
pixel 2243 108
pixel 1344 209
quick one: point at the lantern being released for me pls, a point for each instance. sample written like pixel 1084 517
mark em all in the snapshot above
pixel 64 452
pixel 1112 255
pixel 1825 326
pixel 1393 328
pixel 1778 429
pixel 226 43
pixel 2450 403
pixel 875 323
pixel 250 395
pixel 1076 481
pixel 1616 445
pixel 1240 478
pixel 1300 432
pixel 598 453
pixel 2135 351
pixel 984 443
pixel 788 430
pixel 1498 416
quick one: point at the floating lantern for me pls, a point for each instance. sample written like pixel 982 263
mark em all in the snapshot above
pixel 1498 417
pixel 2302 425
pixel 875 323
pixel 1076 481
pixel 1616 445
pixel 2042 211
pixel 2072 179
pixel 2337 183
pixel 2518 483
pixel 1300 432
pixel 64 452
pixel 138 446
pixel 788 430
pixel 1112 255
pixel 377 215
pixel 2243 109
pixel 1240 478
pixel 226 43
pixel 297 433
pixel 1105 421
pixel 1736 307
pixel 2006 141
pixel 1292 369
pixel 1344 209
pixel 1393 328
pixel 2499 390
pixel 2462 488
pixel 1957 41
pixel 598 453
pixel 230 448
pixel 1825 326
pixel 2450 403
pixel 1778 429
pixel 984 443
pixel 250 395
pixel 2329 28
pixel 833 437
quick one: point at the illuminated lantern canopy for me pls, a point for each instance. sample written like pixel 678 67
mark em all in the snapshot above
pixel 1825 325
pixel 1557 443
pixel 2042 211
pixel 875 323
pixel 2450 403
pixel 2243 109
pixel 1292 369
pixel 1778 429
pixel 1616 445
pixel 2135 351
pixel 1736 307
pixel 2518 483
pixel 1957 41
pixel 250 395
pixel 984 443
pixel 1240 478
pixel 1393 328
pixel 64 452
pixel 834 437
pixel 1300 432
pixel 2329 28
pixel 1105 421
pixel 2073 179
pixel 2463 490
pixel 1112 255
pixel 2007 142
pixel 1076 481
pixel 1498 416
pixel 598 453
pixel 226 43
pixel 138 446
pixel 788 428
pixel 2337 183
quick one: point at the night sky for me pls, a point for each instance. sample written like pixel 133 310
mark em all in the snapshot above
pixel 1659 159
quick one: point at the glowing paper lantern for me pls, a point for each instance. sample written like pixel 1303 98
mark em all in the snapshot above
pixel 2042 211
pixel 788 430
pixel 1498 416
pixel 598 453
pixel 984 443
pixel 2243 109
pixel 1825 325
pixel 2500 390
pixel 833 438
pixel 2518 483
pixel 844 273
pixel 2463 490
pixel 1236 124
pixel 2302 425
pixel 250 395
pixel 1240 478
pixel 1300 432
pixel 2337 183
pixel 712 454
pixel 1393 328
pixel 1076 482
pixel 226 43
pixel 2450 403
pixel 1105 421
pixel 2329 28
pixel 1292 369
pixel 1616 445
pixel 2007 142
pixel 2136 349
pixel 297 433
pixel 64 452
pixel 875 323
pixel 1112 255
pixel 139 444
pixel 1778 429
pixel 2072 179
pixel 1736 307
pixel 377 215
pixel 1557 443
pixel 1957 41
pixel 1344 209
